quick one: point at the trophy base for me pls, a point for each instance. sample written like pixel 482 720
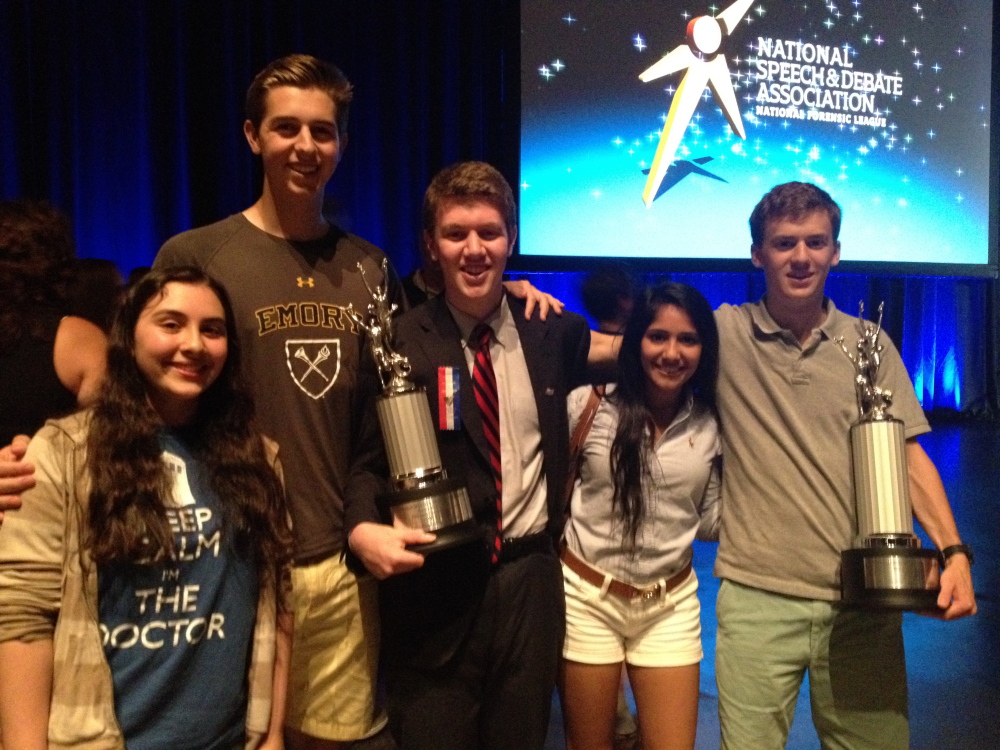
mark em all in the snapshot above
pixel 442 508
pixel 893 578
pixel 453 536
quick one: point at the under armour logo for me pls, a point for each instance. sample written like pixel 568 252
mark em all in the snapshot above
pixel 308 281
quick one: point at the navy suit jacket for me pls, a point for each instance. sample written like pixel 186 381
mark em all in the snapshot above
pixel 427 613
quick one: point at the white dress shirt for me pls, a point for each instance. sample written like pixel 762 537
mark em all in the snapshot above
pixel 521 459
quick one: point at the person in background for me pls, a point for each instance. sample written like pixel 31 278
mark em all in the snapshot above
pixel 649 484
pixel 95 290
pixel 608 295
pixel 143 587
pixel 50 362
pixel 423 282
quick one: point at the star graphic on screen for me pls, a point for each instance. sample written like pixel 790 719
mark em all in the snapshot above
pixel 705 66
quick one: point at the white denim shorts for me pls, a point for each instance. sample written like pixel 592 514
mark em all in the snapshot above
pixel 604 629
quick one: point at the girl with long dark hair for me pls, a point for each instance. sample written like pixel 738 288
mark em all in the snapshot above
pixel 649 485
pixel 143 584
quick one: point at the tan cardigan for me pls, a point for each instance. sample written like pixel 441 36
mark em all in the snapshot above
pixel 48 589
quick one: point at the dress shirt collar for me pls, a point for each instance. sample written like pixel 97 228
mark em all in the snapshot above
pixel 500 320
pixel 683 415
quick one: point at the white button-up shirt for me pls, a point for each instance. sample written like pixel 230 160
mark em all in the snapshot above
pixel 521 459
pixel 682 494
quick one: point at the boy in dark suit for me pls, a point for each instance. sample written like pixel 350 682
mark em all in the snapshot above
pixel 472 638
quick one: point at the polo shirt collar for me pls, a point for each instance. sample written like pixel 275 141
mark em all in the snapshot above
pixel 764 323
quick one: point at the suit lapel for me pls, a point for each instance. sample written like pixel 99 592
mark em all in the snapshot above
pixel 532 335
pixel 543 368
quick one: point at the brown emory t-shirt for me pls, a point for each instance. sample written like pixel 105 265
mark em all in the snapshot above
pixel 302 356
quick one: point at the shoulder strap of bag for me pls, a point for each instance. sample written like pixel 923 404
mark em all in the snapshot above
pixel 576 442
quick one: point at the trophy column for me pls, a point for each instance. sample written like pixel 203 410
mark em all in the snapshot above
pixel 422 496
pixel 886 568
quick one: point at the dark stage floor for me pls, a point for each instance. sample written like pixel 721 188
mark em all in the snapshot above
pixel 953 668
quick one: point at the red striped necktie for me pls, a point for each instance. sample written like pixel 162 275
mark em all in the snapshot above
pixel 484 384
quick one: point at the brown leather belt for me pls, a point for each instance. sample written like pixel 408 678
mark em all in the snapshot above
pixel 622 590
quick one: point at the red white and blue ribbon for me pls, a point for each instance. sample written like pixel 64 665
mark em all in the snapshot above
pixel 449 404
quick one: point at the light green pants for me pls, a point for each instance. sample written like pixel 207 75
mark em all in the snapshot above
pixel 857 671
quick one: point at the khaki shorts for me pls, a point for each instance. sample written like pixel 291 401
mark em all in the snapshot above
pixel 331 690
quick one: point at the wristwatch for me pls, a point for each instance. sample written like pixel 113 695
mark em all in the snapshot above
pixel 954 549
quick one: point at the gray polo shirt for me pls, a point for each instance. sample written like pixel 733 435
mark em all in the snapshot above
pixel 786 412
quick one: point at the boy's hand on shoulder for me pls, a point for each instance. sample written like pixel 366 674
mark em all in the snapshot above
pixel 523 289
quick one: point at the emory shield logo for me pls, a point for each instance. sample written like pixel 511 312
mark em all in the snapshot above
pixel 313 364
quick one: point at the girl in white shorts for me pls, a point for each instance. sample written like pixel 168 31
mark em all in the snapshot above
pixel 649 485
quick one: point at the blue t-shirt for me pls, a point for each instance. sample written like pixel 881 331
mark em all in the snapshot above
pixel 178 635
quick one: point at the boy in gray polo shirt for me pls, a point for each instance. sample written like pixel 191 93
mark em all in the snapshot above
pixel 787 401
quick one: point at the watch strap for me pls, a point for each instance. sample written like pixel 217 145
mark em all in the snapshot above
pixel 954 549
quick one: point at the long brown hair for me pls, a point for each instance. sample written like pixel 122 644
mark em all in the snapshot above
pixel 127 519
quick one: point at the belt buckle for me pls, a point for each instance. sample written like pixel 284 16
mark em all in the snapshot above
pixel 649 593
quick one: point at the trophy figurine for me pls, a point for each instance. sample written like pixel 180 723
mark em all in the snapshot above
pixel 422 495
pixel 886 568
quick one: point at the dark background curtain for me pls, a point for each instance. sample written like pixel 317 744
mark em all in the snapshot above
pixel 128 116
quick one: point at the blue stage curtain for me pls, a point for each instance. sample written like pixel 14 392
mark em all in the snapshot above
pixel 128 115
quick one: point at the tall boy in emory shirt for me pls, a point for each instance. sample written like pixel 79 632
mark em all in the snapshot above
pixel 290 274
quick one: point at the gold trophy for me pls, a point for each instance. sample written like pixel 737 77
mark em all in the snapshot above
pixel 886 568
pixel 422 495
